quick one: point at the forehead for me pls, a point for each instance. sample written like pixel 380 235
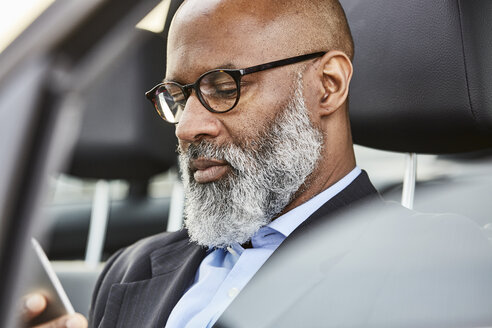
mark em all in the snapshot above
pixel 212 35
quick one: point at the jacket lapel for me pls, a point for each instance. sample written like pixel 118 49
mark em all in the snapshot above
pixel 148 303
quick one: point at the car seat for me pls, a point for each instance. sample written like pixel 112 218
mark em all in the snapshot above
pixel 422 78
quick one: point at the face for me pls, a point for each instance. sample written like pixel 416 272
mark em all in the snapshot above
pixel 240 168
pixel 265 173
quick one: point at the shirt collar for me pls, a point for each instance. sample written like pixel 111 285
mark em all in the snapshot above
pixel 289 221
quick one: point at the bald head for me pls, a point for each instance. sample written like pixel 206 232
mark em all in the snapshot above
pixel 324 24
pixel 310 25
pixel 283 27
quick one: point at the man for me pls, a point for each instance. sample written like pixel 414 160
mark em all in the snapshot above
pixel 255 146
pixel 264 153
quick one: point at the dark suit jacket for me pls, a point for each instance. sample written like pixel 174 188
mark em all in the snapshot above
pixel 141 284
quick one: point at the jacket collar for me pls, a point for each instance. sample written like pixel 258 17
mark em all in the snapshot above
pixel 361 188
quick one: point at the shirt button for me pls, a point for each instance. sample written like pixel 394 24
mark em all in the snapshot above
pixel 233 292
pixel 232 251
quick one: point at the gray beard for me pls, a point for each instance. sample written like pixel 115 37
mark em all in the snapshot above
pixel 266 174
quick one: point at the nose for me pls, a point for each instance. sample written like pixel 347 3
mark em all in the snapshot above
pixel 196 122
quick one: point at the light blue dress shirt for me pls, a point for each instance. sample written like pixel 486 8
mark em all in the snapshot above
pixel 224 272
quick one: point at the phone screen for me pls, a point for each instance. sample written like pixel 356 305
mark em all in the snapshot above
pixel 45 282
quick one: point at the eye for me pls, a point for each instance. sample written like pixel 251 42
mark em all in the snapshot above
pixel 173 93
pixel 225 90
pixel 178 96
pixel 218 84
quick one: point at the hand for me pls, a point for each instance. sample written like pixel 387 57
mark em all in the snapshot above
pixel 35 304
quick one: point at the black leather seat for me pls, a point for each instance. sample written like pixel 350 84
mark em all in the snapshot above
pixel 423 75
pixel 423 84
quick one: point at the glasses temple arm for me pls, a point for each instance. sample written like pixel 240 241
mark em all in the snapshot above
pixel 278 63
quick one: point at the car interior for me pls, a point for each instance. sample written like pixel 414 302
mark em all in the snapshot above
pixel 420 96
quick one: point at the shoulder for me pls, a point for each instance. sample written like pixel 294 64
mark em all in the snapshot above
pixel 133 263
pixel 423 243
pixel 380 265
pixel 136 262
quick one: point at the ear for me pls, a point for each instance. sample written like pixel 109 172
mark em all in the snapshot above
pixel 335 72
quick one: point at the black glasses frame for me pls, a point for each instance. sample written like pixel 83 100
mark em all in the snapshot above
pixel 236 74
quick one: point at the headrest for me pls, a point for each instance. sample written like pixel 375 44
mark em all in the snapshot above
pixel 121 136
pixel 422 74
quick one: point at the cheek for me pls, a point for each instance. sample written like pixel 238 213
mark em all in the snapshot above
pixel 254 117
pixel 260 105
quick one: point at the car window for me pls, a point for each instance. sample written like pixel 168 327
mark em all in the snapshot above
pixel 16 16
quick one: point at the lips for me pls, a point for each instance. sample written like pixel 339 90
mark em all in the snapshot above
pixel 208 170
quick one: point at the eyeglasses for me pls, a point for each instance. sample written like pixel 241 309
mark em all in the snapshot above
pixel 217 90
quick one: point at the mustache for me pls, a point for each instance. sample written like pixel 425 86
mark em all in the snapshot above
pixel 205 149
pixel 230 153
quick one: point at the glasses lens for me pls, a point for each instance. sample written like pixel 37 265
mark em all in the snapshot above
pixel 169 101
pixel 219 90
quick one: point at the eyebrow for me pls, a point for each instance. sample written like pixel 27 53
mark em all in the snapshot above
pixel 226 66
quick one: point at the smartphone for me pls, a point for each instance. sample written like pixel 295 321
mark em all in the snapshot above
pixel 45 282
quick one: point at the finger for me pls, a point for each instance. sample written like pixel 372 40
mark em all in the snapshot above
pixel 67 321
pixel 33 305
